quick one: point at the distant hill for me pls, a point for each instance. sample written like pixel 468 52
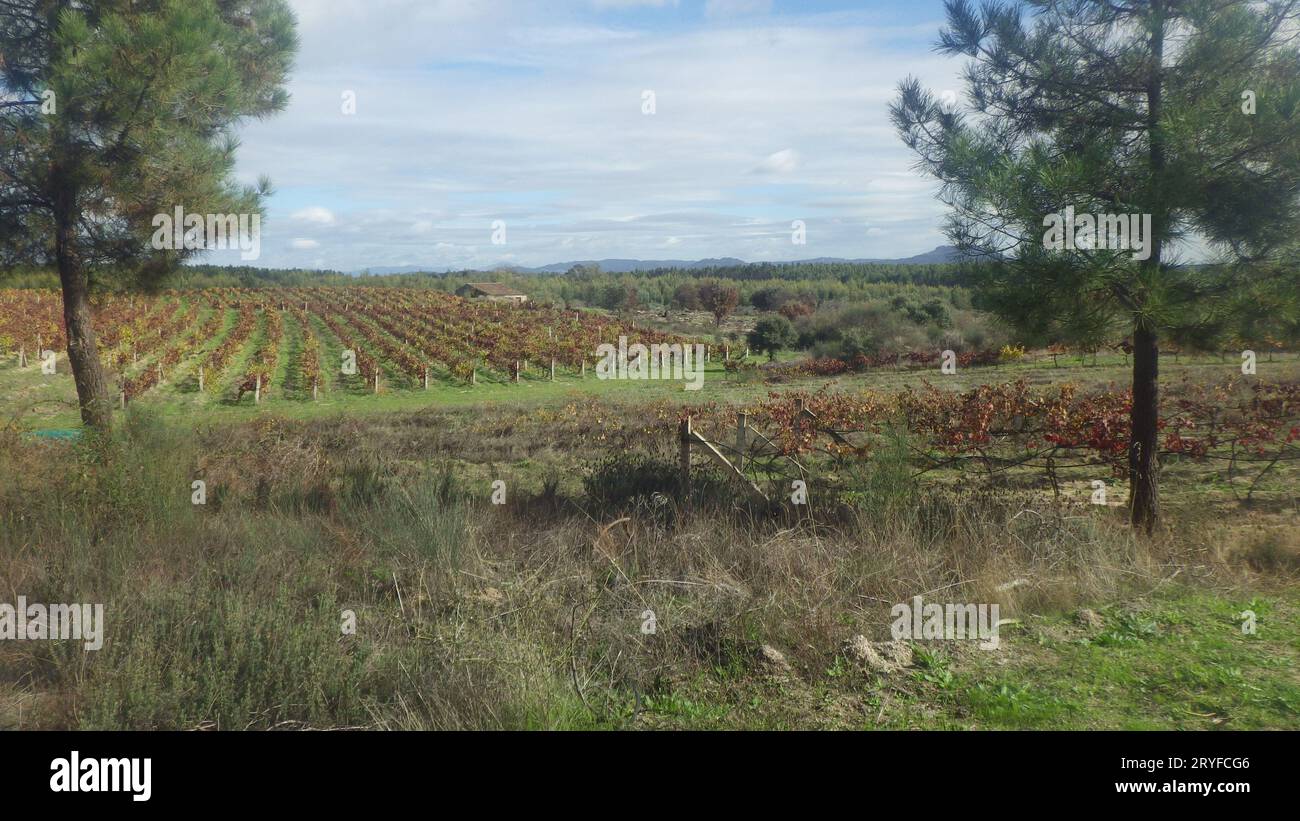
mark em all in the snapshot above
pixel 938 256
pixel 623 266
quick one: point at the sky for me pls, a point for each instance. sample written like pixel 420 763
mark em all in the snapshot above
pixel 591 129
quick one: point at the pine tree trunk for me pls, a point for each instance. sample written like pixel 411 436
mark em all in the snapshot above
pixel 83 355
pixel 1143 456
pixel 1143 462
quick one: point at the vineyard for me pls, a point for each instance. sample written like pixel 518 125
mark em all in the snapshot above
pixel 1239 430
pixel 229 343
pixel 236 345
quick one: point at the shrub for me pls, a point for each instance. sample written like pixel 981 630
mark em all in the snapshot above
pixel 628 480
pixel 772 334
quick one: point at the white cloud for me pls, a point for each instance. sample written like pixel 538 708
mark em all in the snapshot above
pixel 302 244
pixel 316 214
pixel 782 162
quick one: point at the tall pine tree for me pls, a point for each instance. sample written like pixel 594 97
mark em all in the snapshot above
pixel 1181 110
pixel 114 111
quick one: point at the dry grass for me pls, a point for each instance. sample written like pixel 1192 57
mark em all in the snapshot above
pixel 471 615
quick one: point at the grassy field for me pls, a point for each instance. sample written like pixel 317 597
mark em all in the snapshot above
pixel 33 401
pixel 532 613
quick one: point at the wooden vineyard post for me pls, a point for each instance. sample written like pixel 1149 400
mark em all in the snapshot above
pixel 376 379
pixel 684 458
pixel 160 373
pixel 690 437
pixel 473 376
pixel 552 369
pixel 706 354
pixel 257 390
pixel 426 378
pixel 742 435
pixel 200 378
pixel 516 371
pixel 584 368
pixel 314 390
pixel 22 357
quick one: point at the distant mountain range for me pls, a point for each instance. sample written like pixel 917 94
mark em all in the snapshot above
pixel 940 255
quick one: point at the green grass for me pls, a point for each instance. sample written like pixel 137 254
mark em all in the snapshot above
pixel 344 395
pixel 1177 661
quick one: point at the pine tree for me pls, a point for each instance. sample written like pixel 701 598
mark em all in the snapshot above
pixel 1180 111
pixel 113 112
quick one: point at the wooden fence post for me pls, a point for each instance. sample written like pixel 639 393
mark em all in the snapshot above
pixel 552 369
pixel 257 391
pixel 742 438
pixel 516 371
pixel 200 377
pixel 684 456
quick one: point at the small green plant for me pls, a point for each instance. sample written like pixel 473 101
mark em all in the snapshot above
pixel 934 667
pixel 1011 353
pixel 1128 628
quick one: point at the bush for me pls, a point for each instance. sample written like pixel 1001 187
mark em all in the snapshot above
pixel 772 334
pixel 626 477
pixel 629 480
pixel 770 299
